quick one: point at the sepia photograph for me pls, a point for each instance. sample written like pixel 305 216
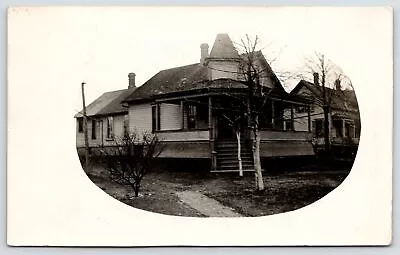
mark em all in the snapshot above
pixel 213 122
pixel 225 136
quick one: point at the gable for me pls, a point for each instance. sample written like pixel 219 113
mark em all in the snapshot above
pixel 305 92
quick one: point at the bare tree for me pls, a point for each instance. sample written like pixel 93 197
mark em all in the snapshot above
pixel 256 99
pixel 132 158
pixel 329 80
pixel 251 72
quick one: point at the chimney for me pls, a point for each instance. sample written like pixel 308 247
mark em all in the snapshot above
pixel 316 79
pixel 131 77
pixel 204 52
pixel 338 87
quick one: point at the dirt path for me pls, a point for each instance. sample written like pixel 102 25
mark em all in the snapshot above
pixel 205 205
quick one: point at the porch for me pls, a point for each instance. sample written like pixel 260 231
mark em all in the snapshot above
pixel 205 126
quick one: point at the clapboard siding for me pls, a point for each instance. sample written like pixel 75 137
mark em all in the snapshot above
pixel 170 117
pixel 140 118
pixel 80 136
pixel 301 118
pixel 195 135
pixel 223 70
pixel 101 132
pixel 118 130
pixel 191 150
pixel 285 148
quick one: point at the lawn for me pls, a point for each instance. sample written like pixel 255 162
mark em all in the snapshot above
pixel 284 192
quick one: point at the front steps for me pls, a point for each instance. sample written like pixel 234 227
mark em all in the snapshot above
pixel 227 156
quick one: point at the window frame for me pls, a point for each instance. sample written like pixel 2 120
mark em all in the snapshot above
pixel 155 118
pixel 191 114
pixel 110 128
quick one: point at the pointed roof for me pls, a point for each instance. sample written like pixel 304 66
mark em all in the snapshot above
pixel 223 48
pixel 341 100
pixel 107 104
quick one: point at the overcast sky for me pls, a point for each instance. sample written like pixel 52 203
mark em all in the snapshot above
pixel 100 46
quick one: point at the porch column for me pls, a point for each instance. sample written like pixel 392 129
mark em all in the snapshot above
pixel 273 113
pixel 211 135
pixel 210 115
pixel 330 126
pixel 343 128
pixel 309 118
pixel 182 115
pixel 291 118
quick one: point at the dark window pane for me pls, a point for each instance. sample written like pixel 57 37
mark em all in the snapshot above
pixel 93 129
pixel 80 125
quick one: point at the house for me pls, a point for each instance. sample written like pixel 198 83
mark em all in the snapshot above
pixel 107 119
pixel 185 107
pixel 344 116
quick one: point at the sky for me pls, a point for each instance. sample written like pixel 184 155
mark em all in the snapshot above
pixel 100 46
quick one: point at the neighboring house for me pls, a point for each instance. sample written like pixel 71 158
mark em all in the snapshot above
pixel 107 119
pixel 344 116
pixel 184 106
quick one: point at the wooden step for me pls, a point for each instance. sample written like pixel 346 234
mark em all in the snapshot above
pixel 231 171
pixel 232 149
pixel 234 167
pixel 227 153
pixel 234 154
pixel 235 161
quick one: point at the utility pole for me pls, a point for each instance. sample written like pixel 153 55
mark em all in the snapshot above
pixel 85 129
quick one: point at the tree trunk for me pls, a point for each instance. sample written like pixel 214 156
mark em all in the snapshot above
pixel 327 145
pixel 257 161
pixel 136 188
pixel 239 153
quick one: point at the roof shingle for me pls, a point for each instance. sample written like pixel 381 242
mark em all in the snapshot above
pixel 343 99
pixel 106 104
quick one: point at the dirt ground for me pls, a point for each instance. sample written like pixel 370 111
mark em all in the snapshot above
pixel 284 192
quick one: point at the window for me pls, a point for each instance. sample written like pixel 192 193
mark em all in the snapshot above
pixel 265 119
pixel 288 125
pixel 126 125
pixel 318 128
pixel 202 117
pixel 357 130
pixel 155 117
pixel 338 128
pixel 191 117
pixel 110 127
pixel 80 125
pixel 93 129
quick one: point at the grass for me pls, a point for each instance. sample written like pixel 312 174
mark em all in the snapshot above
pixel 286 191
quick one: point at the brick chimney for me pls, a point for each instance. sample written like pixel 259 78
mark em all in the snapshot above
pixel 316 79
pixel 131 77
pixel 204 52
pixel 338 87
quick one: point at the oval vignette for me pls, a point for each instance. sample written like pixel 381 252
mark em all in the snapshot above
pixel 204 140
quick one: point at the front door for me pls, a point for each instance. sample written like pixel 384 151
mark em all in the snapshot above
pixel 224 130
